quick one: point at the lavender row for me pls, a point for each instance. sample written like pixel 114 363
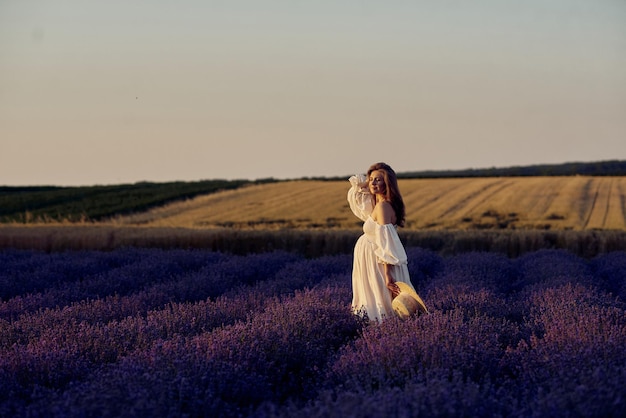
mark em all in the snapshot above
pixel 74 276
pixel 178 272
pixel 282 275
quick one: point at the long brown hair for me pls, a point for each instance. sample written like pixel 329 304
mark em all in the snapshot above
pixel 392 191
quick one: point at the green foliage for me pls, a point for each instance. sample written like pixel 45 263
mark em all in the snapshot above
pixel 91 203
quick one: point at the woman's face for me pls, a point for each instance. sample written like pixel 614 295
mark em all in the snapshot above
pixel 377 182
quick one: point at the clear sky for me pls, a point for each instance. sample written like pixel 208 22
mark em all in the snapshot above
pixel 119 91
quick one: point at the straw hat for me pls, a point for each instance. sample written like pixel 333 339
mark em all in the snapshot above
pixel 408 302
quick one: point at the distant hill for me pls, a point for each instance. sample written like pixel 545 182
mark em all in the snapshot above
pixel 598 168
pixel 92 203
pixel 96 203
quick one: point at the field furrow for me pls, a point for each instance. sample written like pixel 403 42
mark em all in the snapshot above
pixel 589 201
pixel 539 196
pixel 598 213
pixel 470 195
pixel 428 197
pixel 620 214
pixel 607 205
pixel 429 194
pixel 565 199
pixel 612 208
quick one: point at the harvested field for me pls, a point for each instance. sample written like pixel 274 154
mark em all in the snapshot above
pixel 544 203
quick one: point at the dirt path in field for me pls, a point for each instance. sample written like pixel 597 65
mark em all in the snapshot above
pixel 607 210
pixel 621 197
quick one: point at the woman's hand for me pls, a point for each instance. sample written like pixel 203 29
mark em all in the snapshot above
pixel 393 289
pixel 362 181
pixel 391 283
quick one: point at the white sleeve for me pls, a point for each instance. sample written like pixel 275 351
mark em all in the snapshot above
pixel 389 248
pixel 359 197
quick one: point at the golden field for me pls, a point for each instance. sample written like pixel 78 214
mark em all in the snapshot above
pixel 494 203
pixel 512 215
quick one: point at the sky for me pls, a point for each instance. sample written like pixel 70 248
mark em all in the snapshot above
pixel 121 91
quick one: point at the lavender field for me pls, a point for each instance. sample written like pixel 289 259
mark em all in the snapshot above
pixel 148 332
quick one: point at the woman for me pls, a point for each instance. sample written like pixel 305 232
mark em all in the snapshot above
pixel 379 257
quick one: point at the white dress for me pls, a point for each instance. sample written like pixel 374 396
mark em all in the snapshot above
pixel 379 245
